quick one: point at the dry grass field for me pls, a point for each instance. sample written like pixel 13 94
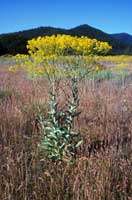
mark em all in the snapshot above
pixel 103 167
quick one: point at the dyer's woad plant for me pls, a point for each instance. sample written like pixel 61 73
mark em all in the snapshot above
pixel 56 57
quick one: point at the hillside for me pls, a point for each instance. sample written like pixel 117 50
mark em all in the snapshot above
pixel 13 43
pixel 123 37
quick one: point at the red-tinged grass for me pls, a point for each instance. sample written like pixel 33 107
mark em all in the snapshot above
pixel 103 168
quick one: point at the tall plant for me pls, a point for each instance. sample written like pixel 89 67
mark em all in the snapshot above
pixel 58 139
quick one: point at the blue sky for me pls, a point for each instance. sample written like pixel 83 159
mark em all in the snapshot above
pixel 111 16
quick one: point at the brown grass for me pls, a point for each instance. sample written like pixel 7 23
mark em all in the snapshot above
pixel 103 169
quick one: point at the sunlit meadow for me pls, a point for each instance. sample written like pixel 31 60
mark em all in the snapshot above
pixel 102 166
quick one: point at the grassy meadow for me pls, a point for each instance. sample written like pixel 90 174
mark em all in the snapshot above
pixel 102 169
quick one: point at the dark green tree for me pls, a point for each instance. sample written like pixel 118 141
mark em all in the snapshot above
pixel 13 43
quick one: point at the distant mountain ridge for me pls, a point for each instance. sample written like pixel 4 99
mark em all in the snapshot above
pixel 16 42
pixel 123 37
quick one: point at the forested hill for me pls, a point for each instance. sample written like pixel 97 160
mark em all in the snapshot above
pixel 13 43
pixel 123 37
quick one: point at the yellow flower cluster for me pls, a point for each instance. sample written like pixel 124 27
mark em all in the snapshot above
pixel 65 45
pixel 45 51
